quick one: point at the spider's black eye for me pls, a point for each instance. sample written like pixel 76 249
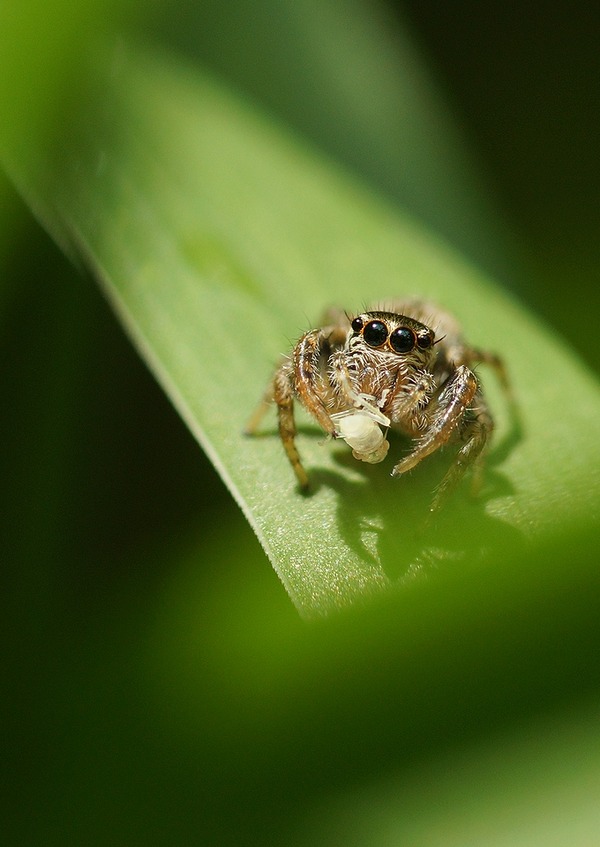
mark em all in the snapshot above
pixel 375 333
pixel 424 341
pixel 357 324
pixel 402 339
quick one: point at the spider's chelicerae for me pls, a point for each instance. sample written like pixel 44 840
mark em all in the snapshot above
pixel 404 366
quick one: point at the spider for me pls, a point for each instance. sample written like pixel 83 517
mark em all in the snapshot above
pixel 387 367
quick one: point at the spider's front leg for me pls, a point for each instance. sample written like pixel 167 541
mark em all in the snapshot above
pixel 474 431
pixel 307 374
pixel 281 392
pixel 448 409
pixel 302 377
pixel 452 413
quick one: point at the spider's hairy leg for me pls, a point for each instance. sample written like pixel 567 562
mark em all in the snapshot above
pixel 283 396
pixel 475 434
pixel 445 414
pixel 309 383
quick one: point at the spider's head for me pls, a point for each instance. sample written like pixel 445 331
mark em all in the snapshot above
pixel 393 334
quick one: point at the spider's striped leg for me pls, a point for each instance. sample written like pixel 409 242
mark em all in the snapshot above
pixel 283 396
pixel 445 413
pixel 475 431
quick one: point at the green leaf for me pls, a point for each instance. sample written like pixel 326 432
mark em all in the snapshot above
pixel 348 74
pixel 219 240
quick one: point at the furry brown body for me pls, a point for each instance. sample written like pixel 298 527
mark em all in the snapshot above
pixel 404 365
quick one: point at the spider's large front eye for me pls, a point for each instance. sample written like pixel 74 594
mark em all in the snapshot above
pixel 357 324
pixel 375 333
pixel 402 339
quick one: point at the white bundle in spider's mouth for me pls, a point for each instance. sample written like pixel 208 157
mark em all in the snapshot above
pixel 363 434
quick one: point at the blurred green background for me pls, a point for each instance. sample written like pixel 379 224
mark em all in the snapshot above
pixel 159 687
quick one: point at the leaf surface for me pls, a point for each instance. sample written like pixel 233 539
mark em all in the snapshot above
pixel 220 239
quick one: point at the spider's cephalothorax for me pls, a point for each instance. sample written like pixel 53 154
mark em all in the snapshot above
pixel 359 376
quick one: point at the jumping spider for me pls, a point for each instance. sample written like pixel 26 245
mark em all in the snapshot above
pixel 358 376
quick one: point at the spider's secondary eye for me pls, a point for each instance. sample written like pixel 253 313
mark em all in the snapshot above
pixel 357 324
pixel 375 333
pixel 402 339
pixel 424 341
